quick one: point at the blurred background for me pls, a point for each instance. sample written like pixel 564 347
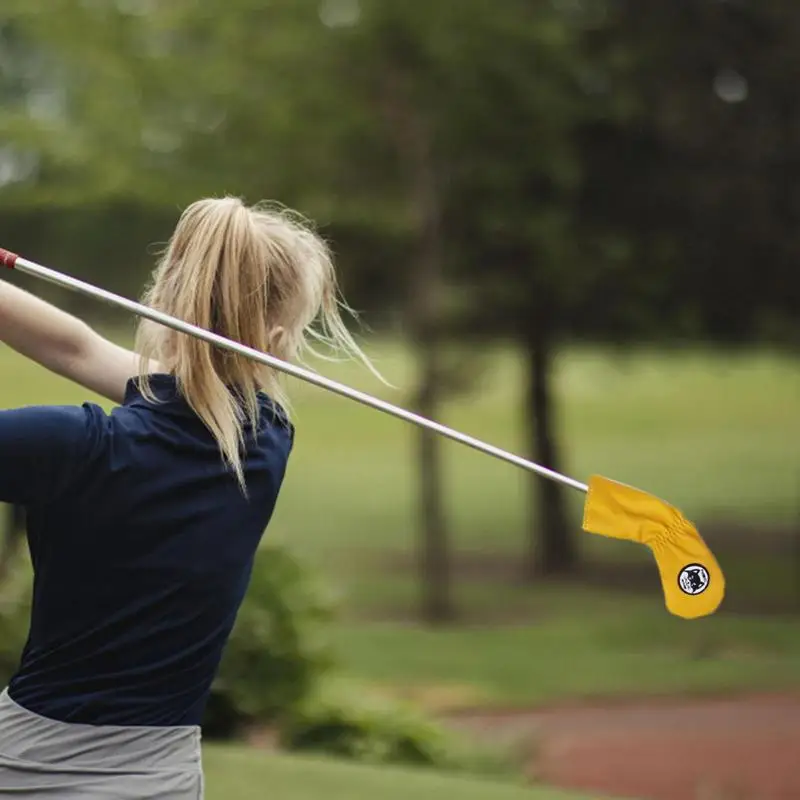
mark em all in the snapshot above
pixel 571 228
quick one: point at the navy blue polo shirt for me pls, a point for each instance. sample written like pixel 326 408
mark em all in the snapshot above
pixel 142 545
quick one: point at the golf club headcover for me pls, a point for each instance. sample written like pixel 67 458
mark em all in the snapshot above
pixel 693 583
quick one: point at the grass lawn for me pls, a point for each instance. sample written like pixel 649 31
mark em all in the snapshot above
pixel 236 773
pixel 577 644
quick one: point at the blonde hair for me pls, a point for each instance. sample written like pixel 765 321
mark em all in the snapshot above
pixel 257 275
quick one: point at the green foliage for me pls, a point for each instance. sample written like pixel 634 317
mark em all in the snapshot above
pixel 279 647
pixel 346 720
pixel 15 611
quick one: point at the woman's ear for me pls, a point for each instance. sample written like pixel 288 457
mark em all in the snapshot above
pixel 277 340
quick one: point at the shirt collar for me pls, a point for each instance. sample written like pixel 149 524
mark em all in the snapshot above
pixel 165 389
pixel 163 386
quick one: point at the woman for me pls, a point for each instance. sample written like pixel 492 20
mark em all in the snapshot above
pixel 143 523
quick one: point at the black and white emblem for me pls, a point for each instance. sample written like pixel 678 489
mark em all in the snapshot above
pixel 693 579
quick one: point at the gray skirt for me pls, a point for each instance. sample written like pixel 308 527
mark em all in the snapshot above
pixel 44 759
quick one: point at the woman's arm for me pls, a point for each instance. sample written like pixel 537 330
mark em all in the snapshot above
pixel 63 344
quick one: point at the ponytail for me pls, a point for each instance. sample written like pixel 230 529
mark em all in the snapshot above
pixel 260 276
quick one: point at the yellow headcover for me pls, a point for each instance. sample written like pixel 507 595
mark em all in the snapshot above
pixel 690 575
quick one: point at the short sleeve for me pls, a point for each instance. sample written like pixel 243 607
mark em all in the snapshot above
pixel 40 447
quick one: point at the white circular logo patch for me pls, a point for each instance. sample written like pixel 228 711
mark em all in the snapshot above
pixel 693 579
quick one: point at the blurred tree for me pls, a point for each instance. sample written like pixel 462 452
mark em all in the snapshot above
pixel 480 100
pixel 701 174
pixel 413 138
pixel 392 41
pixel 652 194
pixel 513 104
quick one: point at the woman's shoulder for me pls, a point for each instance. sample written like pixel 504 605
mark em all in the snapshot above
pixel 42 446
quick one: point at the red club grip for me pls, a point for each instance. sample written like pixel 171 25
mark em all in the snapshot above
pixel 7 258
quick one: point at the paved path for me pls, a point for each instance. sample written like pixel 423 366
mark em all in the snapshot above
pixel 746 748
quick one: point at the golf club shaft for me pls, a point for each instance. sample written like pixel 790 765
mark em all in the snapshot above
pixel 23 265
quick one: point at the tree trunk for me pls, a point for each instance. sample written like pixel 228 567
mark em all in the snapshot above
pixel 551 547
pixel 414 144
pixel 434 561
pixel 424 317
